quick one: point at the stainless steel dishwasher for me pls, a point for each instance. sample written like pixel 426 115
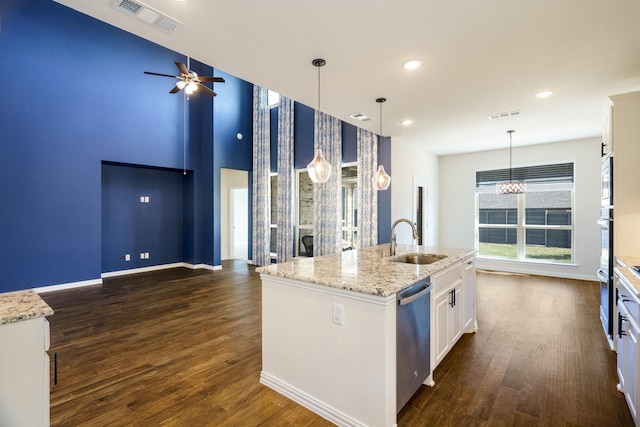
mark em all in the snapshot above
pixel 412 340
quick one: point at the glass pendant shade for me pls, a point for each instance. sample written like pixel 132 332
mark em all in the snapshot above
pixel 381 179
pixel 319 169
pixel 511 187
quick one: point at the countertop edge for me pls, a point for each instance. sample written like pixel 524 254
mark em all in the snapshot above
pixel 329 270
pixel 19 306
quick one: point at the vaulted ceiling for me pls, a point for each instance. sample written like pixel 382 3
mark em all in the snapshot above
pixel 480 58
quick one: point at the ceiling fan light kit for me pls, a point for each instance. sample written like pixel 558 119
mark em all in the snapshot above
pixel 189 80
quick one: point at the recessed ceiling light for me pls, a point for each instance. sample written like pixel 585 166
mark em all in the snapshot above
pixel 412 65
pixel 544 94
pixel 406 122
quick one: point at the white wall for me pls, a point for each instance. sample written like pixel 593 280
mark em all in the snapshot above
pixel 408 161
pixel 229 178
pixel 458 203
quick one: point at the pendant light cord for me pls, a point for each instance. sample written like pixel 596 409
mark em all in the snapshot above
pixel 381 120
pixel 510 132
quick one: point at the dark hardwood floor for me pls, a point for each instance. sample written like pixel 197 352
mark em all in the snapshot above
pixel 183 348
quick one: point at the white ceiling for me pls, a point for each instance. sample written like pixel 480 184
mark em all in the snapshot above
pixel 480 58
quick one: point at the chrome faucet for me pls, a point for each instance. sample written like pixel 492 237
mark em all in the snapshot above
pixel 392 247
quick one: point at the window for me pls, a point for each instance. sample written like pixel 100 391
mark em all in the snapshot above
pixel 273 98
pixel 349 206
pixel 348 209
pixel 304 210
pixel 273 215
pixel 534 226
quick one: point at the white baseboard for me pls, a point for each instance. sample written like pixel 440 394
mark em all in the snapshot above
pixel 568 271
pixel 202 266
pixel 143 269
pixel 325 411
pixel 71 285
pixel 44 289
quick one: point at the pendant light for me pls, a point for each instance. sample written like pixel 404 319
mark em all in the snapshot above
pixel 319 169
pixel 381 179
pixel 511 187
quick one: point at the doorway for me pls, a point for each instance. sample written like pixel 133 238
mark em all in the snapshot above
pixel 420 208
pixel 234 221
pixel 239 221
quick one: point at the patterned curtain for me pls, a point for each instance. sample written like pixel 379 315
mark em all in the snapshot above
pixel 261 165
pixel 327 227
pixel 285 180
pixel 367 192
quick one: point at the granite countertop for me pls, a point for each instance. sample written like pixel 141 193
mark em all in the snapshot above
pixel 368 270
pixel 22 305
pixel 624 264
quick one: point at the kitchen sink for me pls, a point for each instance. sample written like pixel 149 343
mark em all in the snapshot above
pixel 418 258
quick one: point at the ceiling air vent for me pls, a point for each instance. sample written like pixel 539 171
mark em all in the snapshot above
pixel 360 116
pixel 147 14
pixel 505 115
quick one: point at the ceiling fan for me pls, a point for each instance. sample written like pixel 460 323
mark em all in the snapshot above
pixel 189 80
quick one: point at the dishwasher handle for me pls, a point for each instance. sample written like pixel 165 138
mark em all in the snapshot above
pixel 417 295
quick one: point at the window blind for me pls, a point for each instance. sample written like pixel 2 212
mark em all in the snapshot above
pixel 559 172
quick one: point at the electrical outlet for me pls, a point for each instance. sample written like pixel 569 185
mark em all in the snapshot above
pixel 146 255
pixel 141 255
pixel 338 313
pixel 127 257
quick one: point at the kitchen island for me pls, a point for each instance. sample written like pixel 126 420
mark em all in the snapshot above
pixel 24 362
pixel 329 326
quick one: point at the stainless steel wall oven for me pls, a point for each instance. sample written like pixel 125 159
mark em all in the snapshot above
pixel 605 272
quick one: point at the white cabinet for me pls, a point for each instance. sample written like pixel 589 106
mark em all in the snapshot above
pixel 607 136
pixel 24 373
pixel 628 329
pixel 625 131
pixel 628 359
pixel 447 319
pixel 469 291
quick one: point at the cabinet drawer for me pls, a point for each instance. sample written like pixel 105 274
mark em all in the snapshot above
pixel 445 277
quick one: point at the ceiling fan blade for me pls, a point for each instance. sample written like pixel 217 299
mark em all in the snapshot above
pixel 159 74
pixel 183 68
pixel 211 79
pixel 206 90
pixel 176 89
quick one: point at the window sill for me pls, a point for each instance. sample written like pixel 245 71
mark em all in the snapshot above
pixel 531 262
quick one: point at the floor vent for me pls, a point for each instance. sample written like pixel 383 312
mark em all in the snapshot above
pixel 147 14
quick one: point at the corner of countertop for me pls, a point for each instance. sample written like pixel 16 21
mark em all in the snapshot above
pixel 18 306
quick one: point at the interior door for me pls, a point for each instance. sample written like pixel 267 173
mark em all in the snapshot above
pixel 239 215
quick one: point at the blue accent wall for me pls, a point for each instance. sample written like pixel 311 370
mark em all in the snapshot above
pixel 78 96
pixel 349 143
pixel 384 197
pixel 75 97
pixel 232 114
pixel 303 118
pixel 130 226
